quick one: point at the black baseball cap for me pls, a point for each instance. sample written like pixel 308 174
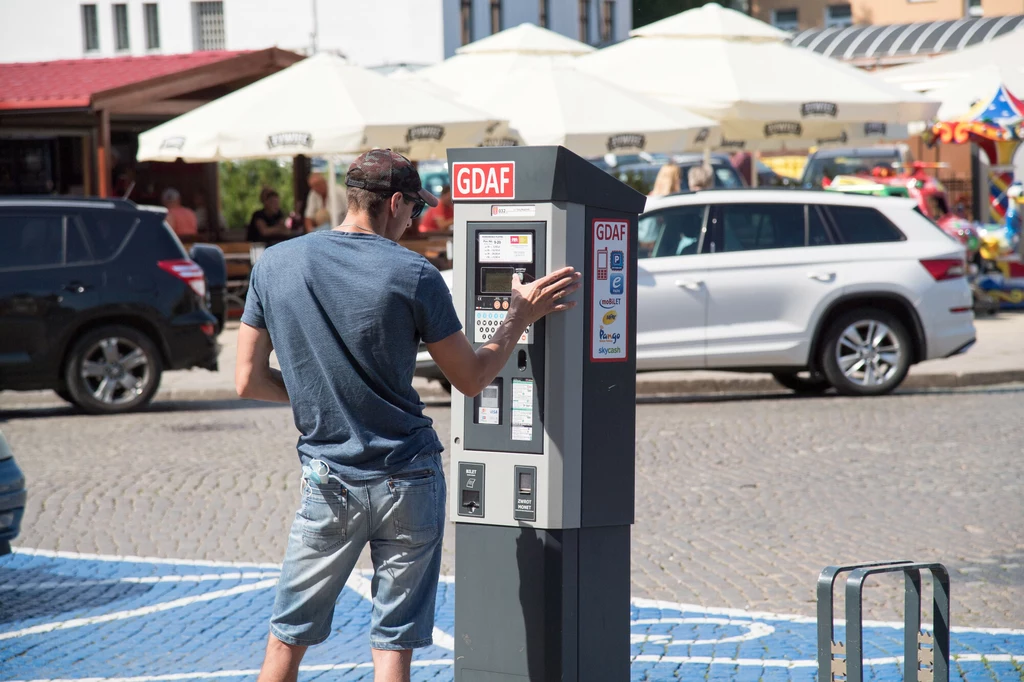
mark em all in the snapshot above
pixel 382 170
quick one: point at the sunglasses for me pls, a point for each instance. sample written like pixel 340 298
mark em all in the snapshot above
pixel 418 204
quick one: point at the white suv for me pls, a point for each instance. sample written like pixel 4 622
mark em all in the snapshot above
pixel 821 289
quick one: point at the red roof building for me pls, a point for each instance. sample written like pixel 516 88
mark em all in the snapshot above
pixel 71 126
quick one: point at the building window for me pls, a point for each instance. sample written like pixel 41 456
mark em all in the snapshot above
pixel 90 28
pixel 545 8
pixel 120 26
pixel 496 16
pixel 466 12
pixel 608 21
pixel 208 25
pixel 786 19
pixel 152 26
pixel 585 20
pixel 838 16
pixel 974 8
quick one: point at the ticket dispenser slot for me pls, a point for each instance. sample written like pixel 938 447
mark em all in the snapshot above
pixel 507 416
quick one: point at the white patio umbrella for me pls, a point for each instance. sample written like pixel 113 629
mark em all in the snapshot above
pixel 739 71
pixel 525 45
pixel 319 106
pixel 554 103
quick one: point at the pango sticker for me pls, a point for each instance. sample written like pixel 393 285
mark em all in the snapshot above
pixel 484 180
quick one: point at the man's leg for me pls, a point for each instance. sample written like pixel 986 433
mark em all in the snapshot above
pixel 390 666
pixel 281 663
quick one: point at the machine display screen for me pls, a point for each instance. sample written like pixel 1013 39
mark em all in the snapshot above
pixel 496 281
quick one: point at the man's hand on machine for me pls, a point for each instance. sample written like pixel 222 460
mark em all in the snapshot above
pixel 534 300
pixel 469 370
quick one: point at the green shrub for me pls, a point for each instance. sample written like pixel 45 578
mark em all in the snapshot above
pixel 242 181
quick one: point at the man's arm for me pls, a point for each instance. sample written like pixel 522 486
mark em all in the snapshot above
pixel 268 231
pixel 471 371
pixel 255 379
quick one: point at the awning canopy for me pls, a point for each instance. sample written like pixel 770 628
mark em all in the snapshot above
pixel 900 43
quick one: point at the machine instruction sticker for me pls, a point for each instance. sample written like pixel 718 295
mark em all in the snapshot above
pixel 608 315
pixel 522 433
pixel 522 404
pixel 505 248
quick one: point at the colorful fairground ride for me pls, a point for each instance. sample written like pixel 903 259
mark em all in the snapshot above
pixel 996 126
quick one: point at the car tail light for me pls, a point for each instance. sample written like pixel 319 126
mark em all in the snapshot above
pixel 209 329
pixel 188 272
pixel 945 268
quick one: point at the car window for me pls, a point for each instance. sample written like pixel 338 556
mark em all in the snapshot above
pixel 819 168
pixel 817 233
pixel 31 240
pixel 751 227
pixel 107 230
pixel 671 232
pixel 76 248
pixel 862 225
pixel 726 177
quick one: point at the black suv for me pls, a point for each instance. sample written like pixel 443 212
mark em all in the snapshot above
pixel 97 298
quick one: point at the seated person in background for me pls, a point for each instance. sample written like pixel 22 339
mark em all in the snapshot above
pixel 182 220
pixel 213 228
pixel 322 220
pixel 440 218
pixel 318 199
pixel 668 181
pixel 700 178
pixel 268 225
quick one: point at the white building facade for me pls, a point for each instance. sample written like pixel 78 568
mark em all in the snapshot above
pixel 369 32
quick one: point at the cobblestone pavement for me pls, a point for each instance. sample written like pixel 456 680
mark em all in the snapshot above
pixel 740 502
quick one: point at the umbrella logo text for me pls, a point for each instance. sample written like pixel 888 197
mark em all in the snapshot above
pixel 626 141
pixel 292 139
pixel 173 143
pixel 732 144
pixel 819 109
pixel 499 142
pixel 875 129
pixel 838 139
pixel 783 128
pixel 703 135
pixel 424 133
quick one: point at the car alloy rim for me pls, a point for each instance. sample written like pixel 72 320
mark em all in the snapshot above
pixel 115 371
pixel 868 353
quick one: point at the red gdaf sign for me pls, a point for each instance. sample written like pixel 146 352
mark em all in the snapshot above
pixel 484 180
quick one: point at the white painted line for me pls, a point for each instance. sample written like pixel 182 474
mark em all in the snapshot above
pixel 789 618
pixel 132 613
pixel 140 559
pixel 145 580
pixel 755 630
pixel 172 677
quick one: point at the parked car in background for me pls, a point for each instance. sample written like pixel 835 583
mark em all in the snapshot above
pixel 726 176
pixel 823 290
pixel 12 497
pixel 97 299
pixel 825 164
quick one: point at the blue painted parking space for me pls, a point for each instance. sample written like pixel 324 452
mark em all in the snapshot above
pixel 75 617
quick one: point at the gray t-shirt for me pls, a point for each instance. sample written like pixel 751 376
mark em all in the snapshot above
pixel 346 313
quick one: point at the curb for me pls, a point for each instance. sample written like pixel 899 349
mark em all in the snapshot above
pixel 739 384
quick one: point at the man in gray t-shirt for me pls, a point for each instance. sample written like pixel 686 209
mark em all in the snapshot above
pixel 346 310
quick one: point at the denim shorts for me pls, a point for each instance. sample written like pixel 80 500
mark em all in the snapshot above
pixel 402 517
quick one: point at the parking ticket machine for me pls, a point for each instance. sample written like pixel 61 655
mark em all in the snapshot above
pixel 542 475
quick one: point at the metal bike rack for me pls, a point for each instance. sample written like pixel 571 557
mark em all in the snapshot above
pixel 926 655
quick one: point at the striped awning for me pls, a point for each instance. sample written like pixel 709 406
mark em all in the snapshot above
pixel 904 42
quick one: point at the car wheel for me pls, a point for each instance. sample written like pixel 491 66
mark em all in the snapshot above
pixel 866 352
pixel 112 369
pixel 806 383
